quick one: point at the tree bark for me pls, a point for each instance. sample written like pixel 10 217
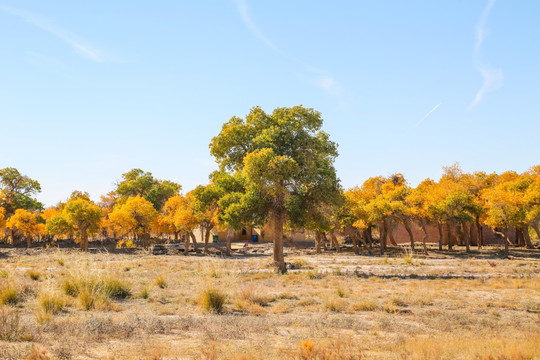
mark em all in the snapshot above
pixel 537 230
pixel 334 240
pixel 383 239
pixel 186 242
pixel 527 237
pixel 277 218
pixel 84 240
pixel 194 239
pixel 409 231
pixel 230 234
pixel 426 236
pixel 318 242
pixel 505 239
pixel 206 238
pixel 390 231
pixel 357 235
pixel 480 240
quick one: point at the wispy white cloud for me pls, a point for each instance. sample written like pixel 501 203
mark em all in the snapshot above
pixel 321 78
pixel 493 77
pixel 427 114
pixel 68 37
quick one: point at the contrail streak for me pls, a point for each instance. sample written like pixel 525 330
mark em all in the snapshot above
pixel 429 113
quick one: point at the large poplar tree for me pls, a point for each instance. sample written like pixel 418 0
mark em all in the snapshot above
pixel 283 156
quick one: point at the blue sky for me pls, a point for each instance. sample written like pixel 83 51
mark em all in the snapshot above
pixel 91 89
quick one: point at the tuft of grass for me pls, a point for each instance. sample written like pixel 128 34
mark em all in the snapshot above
pixel 365 305
pixel 51 303
pixel 93 290
pixel 10 295
pixel 161 282
pixel 334 305
pixel 117 288
pixel 213 300
pixel 340 292
pixel 34 275
pixel 145 293
pixel 4 274
pixel 61 262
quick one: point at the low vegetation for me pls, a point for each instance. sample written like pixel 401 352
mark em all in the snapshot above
pixel 223 308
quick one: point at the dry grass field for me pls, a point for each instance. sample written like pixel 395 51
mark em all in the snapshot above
pixel 64 304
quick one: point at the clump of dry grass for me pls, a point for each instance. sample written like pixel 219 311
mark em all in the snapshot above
pixel 330 349
pixel 335 305
pixel 10 294
pixel 34 274
pixel 94 290
pixel 365 305
pixel 161 282
pixel 213 300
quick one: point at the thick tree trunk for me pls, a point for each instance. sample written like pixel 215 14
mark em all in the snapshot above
pixel 186 242
pixel 324 240
pixel 409 231
pixel 334 240
pixel 145 238
pixel 439 227
pixel 84 240
pixel 363 240
pixel 480 233
pixel 230 234
pixel 194 239
pixel 277 220
pixel 426 236
pixel 318 242
pixel 537 230
pixel 382 239
pixel 506 240
pixel 527 237
pixel 206 238
pixel 28 242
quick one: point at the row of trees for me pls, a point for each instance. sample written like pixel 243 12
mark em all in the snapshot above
pixel 278 169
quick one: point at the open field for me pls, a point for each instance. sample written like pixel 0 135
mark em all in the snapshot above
pixel 64 304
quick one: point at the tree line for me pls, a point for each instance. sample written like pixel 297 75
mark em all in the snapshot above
pixel 278 169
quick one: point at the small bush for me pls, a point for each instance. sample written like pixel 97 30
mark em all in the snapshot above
pixel 145 293
pixel 117 289
pixel 161 282
pixel 10 295
pixel 212 300
pixel 10 327
pixel 34 275
pixel 71 287
pixel 335 305
pixel 51 304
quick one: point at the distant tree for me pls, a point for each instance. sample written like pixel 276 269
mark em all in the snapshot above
pixel 24 223
pixel 139 183
pixel 280 155
pixel 17 191
pixel 135 216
